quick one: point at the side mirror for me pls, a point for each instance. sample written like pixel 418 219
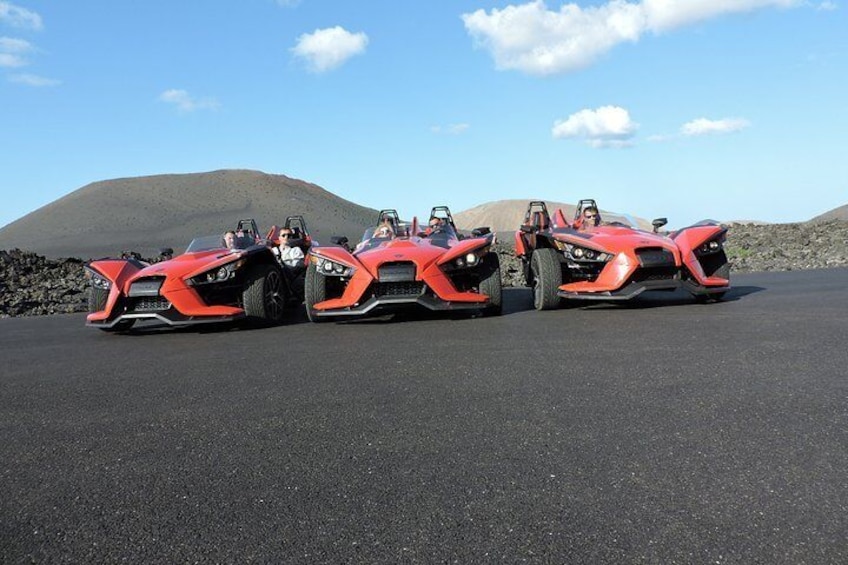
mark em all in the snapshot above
pixel 528 229
pixel 166 253
pixel 477 232
pixel 658 223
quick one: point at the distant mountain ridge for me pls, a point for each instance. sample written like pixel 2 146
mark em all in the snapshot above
pixel 507 215
pixel 146 213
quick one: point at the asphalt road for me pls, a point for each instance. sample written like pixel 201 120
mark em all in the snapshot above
pixel 656 432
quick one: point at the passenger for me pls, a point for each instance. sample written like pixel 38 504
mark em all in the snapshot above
pixel 590 219
pixel 229 239
pixel 290 256
pixel 384 230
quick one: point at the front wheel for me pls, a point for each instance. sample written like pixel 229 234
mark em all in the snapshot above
pixel 264 295
pixel 315 291
pixel 547 278
pixel 490 283
pixel 97 298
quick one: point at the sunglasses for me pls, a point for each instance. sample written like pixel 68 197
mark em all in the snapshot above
pixel 590 216
pixel 282 235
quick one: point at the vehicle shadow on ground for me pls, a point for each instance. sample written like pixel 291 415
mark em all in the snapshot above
pixel 662 299
pixel 294 316
pixel 514 300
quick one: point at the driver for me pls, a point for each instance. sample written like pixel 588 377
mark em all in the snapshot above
pixel 290 255
pixel 589 219
pixel 229 239
pixel 434 224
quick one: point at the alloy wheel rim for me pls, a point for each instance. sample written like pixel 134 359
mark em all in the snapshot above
pixel 273 300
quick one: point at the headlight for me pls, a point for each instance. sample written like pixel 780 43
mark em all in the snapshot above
pixel 97 280
pixel 711 246
pixel 218 274
pixel 578 253
pixel 328 267
pixel 472 259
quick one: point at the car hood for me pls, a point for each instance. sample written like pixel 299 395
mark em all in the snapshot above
pixel 615 238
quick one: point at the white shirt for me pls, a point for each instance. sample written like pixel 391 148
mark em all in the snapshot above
pixel 291 256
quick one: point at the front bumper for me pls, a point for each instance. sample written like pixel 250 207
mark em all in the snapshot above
pixel 380 305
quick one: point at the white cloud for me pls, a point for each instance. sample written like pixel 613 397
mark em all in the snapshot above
pixel 33 80
pixel 288 2
pixel 12 51
pixel 16 16
pixel 703 126
pixel 11 61
pixel 607 126
pixel 186 103
pixel 12 45
pixel 827 6
pixel 535 40
pixel 327 49
pixel 451 129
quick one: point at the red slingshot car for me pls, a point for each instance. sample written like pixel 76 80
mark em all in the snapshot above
pixel 396 266
pixel 588 259
pixel 213 281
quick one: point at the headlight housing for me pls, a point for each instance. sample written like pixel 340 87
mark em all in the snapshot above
pixel 331 268
pixel 96 280
pixel 221 273
pixel 709 247
pixel 469 260
pixel 583 254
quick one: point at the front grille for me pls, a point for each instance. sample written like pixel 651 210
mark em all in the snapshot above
pixel 148 304
pixel 396 272
pixel 655 257
pixel 148 286
pixel 655 274
pixel 407 288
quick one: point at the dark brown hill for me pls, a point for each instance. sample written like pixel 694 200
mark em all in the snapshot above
pixel 145 213
pixel 840 213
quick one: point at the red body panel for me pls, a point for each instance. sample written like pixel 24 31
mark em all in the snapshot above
pixel 175 288
pixel 627 261
pixel 620 242
pixel 427 258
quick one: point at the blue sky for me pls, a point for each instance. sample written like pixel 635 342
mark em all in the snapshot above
pixel 691 109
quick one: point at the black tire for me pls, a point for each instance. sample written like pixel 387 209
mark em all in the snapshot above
pixel 264 294
pixel 97 298
pixel 547 278
pixel 121 326
pixel 315 291
pixel 490 284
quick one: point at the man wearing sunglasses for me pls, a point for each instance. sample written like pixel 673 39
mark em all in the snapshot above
pixel 290 255
pixel 590 218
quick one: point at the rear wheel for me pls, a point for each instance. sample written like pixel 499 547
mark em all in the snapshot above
pixel 264 294
pixel 547 278
pixel 315 291
pixel 490 284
